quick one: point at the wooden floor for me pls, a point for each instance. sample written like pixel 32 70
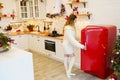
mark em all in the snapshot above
pixel 48 69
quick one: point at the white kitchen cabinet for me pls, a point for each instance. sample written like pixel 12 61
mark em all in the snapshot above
pixel 25 8
pixel 59 50
pixel 32 9
pixel 39 9
pixel 36 43
pixel 21 41
pixel 39 44
pixel 32 42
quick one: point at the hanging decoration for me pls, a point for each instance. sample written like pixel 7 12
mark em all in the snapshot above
pixel 75 10
pixel 62 12
pixel 66 17
pixel 4 15
pixel 13 14
pixel 1 6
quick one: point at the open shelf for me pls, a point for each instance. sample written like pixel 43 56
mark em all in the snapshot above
pixel 74 2
pixel 47 21
pixel 87 14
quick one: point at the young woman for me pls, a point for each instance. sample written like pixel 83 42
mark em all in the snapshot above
pixel 69 42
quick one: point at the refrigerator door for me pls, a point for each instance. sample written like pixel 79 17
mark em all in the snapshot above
pixel 99 41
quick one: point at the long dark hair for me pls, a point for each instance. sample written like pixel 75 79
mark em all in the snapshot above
pixel 70 21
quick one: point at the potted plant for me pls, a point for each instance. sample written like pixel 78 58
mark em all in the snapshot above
pixel 5 42
pixel 115 60
pixel 30 27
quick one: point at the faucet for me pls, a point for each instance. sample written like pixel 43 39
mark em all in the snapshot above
pixel 38 28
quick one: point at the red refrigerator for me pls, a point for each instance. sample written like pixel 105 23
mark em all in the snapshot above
pixel 99 40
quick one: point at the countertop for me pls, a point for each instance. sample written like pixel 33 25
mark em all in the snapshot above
pixel 34 33
pixel 12 53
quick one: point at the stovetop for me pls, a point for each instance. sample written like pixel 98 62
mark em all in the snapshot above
pixel 55 35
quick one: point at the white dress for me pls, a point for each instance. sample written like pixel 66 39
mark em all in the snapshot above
pixel 69 40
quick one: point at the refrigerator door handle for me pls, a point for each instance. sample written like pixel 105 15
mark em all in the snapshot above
pixel 85 46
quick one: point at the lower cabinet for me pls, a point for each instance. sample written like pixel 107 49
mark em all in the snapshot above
pixel 59 50
pixel 36 43
pixel 40 44
pixel 32 40
pixel 21 41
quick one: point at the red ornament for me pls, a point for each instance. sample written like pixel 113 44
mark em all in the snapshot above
pixel 77 0
pixel 18 30
pixel 0 44
pixel 12 15
pixel 1 6
pixel 4 15
pixel 75 9
pixel 66 17
pixel 113 76
pixel 77 12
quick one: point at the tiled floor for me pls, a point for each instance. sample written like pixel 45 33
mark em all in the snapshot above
pixel 49 69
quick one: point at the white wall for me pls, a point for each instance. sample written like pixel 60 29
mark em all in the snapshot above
pixel 50 6
pixel 104 11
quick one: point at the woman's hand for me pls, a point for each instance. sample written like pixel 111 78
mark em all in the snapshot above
pixel 84 47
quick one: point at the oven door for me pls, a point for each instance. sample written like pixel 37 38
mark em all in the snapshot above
pixel 50 45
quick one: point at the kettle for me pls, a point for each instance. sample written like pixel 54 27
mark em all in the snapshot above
pixel 54 32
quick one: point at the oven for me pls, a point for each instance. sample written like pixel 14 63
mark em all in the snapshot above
pixel 50 45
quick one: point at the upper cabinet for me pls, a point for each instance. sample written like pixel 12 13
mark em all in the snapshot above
pixel 29 9
pixel 24 9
